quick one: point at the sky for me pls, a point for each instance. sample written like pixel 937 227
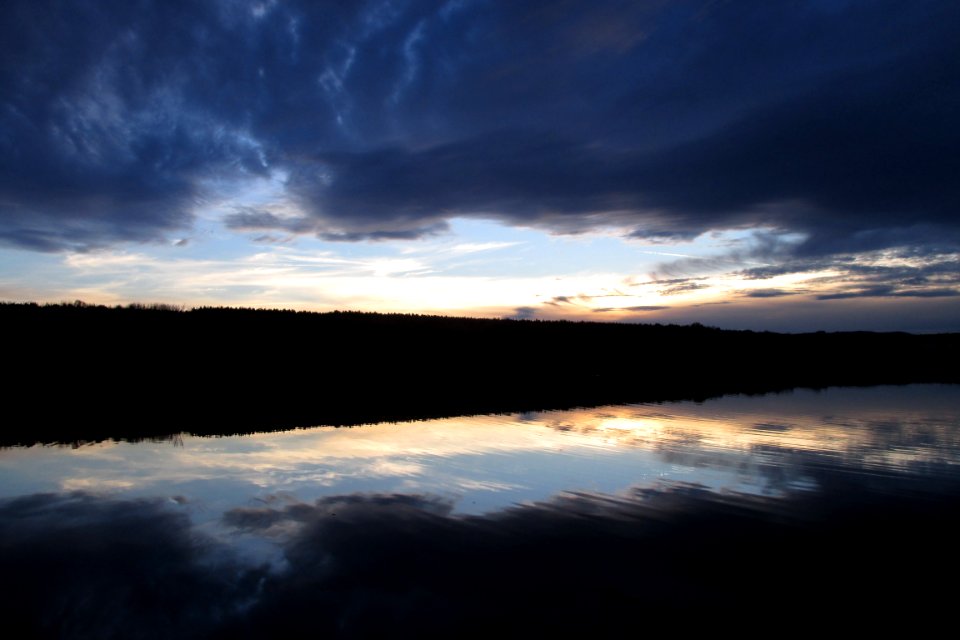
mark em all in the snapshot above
pixel 786 165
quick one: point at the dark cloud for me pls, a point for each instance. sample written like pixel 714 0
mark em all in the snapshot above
pixel 524 313
pixel 647 307
pixel 762 247
pixel 556 301
pixel 268 238
pixel 900 267
pixel 769 293
pixel 398 234
pixel 841 168
pixel 671 282
pixel 682 287
pixel 252 219
pixel 857 157
pixel 384 120
pixel 772 271
pixel 514 176
pixel 911 273
pixel 928 293
pixel 108 134
pixel 882 291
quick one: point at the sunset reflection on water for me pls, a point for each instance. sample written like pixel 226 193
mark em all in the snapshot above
pixel 747 444
pixel 678 507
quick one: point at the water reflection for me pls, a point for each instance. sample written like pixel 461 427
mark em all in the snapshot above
pixel 762 445
pixel 573 521
pixel 675 560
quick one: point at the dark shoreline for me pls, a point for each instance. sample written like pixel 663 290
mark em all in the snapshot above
pixel 88 373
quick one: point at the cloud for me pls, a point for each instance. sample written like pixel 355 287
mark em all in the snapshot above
pixel 517 177
pixel 882 291
pixel 524 313
pixel 665 120
pixel 769 293
pixel 648 307
pixel 682 287
pixel 396 234
pixel 910 273
pixel 104 139
pixel 857 160
pixel 253 219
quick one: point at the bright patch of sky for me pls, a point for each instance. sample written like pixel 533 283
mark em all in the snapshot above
pixel 478 268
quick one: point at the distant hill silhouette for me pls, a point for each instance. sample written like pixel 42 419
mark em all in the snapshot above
pixel 83 372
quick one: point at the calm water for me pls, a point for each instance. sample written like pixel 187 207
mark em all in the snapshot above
pixel 414 526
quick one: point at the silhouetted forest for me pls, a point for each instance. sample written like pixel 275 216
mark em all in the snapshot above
pixel 82 372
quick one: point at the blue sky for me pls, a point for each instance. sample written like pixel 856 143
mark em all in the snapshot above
pixel 787 165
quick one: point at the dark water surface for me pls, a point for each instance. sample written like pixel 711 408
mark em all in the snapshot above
pixel 805 509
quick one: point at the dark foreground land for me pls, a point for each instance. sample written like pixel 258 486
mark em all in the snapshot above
pixel 82 373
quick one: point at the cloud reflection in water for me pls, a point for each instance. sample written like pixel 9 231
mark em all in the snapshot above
pixel 676 559
pixel 671 517
pixel 483 463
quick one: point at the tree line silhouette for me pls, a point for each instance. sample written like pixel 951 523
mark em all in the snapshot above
pixel 81 372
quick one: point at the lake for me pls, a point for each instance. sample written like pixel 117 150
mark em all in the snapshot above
pixel 744 509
